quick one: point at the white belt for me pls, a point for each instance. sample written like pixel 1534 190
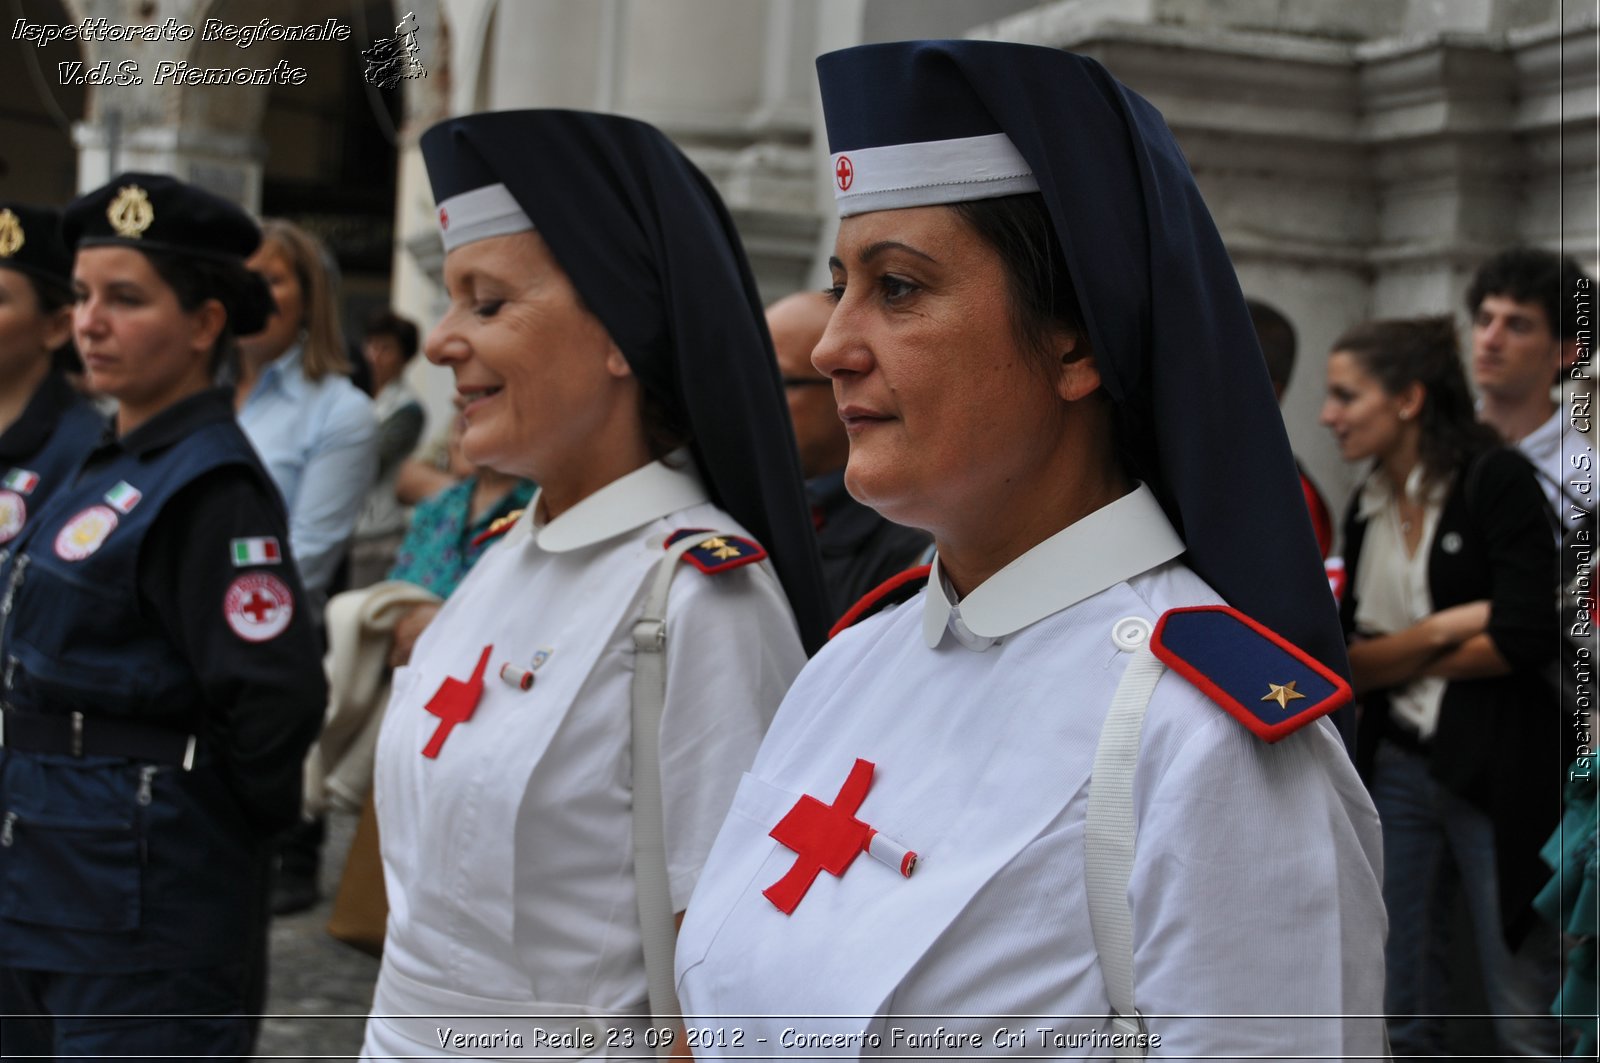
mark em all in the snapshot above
pixel 451 1023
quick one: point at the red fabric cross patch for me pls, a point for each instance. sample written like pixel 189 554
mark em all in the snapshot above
pixel 454 702
pixel 824 838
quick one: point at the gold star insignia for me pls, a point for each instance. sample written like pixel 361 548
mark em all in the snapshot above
pixel 11 235
pixel 1282 693
pixel 721 549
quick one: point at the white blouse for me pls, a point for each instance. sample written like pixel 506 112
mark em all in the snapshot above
pixel 1255 890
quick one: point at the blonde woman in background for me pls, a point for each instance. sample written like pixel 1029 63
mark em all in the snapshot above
pixel 315 431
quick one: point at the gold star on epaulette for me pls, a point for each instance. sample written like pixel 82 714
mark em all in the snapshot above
pixel 721 549
pixel 1282 693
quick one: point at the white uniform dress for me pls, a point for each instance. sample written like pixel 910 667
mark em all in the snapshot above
pixel 508 858
pixel 1256 881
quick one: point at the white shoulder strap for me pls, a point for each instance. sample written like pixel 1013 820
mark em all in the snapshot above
pixel 1109 832
pixel 649 828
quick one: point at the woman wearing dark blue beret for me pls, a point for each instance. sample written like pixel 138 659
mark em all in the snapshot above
pixel 162 681
pixel 46 427
pixel 558 754
pixel 1077 795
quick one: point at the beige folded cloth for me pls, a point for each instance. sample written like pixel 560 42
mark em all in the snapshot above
pixel 360 626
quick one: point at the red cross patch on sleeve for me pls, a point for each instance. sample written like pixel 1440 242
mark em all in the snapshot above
pixel 258 606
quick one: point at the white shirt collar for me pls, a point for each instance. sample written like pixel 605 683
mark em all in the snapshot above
pixel 625 503
pixel 1377 491
pixel 1110 545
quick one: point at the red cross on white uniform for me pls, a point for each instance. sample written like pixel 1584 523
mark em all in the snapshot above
pixel 829 837
pixel 844 172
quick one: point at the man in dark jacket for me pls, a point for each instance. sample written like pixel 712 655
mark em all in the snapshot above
pixel 859 548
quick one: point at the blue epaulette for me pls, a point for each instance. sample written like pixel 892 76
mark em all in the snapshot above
pixel 1264 681
pixel 720 553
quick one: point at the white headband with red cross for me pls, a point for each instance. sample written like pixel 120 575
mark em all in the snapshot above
pixel 480 214
pixel 923 174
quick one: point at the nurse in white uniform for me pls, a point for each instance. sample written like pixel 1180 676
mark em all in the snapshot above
pixel 606 340
pixel 1079 796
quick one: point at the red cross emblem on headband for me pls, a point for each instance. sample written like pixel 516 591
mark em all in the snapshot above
pixel 829 838
pixel 444 218
pixel 454 702
pixel 844 173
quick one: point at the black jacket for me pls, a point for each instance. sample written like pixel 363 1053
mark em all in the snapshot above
pixel 1500 740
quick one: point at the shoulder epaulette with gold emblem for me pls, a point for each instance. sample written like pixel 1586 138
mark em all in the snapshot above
pixel 497 528
pixel 720 552
pixel 900 587
pixel 1262 679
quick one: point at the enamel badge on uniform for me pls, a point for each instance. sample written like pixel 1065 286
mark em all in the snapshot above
pixel 258 606
pixel 829 838
pixel 454 702
pixel 83 534
pixel 22 481
pixel 124 497
pixel 13 515
pixel 262 551
pixel 1264 681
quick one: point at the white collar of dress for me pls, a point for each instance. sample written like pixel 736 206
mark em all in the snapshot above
pixel 626 503
pixel 1114 543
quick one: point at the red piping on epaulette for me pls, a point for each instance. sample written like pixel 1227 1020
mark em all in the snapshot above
pixel 498 528
pixel 1340 697
pixel 752 552
pixel 869 601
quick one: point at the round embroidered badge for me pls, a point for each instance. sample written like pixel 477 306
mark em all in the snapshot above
pixel 13 515
pixel 83 534
pixel 258 606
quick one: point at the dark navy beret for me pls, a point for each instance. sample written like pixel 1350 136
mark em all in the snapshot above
pixel 30 241
pixel 156 212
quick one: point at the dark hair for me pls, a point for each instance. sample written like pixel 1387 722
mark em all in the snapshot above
pixel 1532 275
pixel 52 295
pixel 242 293
pixel 1401 352
pixel 400 329
pixel 1043 299
pixel 1038 283
pixel 666 424
pixel 1277 340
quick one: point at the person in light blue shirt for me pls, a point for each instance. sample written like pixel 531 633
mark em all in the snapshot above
pixel 314 430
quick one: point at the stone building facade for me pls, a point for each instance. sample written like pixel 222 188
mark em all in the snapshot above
pixel 1360 156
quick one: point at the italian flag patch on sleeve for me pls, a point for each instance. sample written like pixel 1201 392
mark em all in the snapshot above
pixel 262 551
